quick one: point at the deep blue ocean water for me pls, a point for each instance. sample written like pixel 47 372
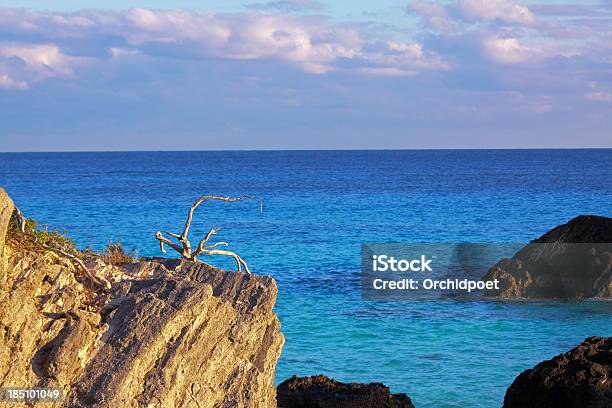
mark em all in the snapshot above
pixel 318 207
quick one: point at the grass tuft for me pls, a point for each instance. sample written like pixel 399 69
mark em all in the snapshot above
pixel 115 254
pixel 33 235
pixel 43 234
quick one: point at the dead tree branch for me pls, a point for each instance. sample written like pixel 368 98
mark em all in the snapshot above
pixel 96 280
pixel 183 245
pixel 21 219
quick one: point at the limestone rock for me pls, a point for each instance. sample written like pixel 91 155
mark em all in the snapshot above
pixel 572 261
pixel 170 333
pixel 6 210
pixel 580 378
pixel 320 391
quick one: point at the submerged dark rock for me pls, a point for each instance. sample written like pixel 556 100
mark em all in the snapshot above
pixel 572 261
pixel 580 378
pixel 320 391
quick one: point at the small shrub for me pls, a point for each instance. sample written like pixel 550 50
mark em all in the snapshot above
pixel 53 239
pixel 42 235
pixel 115 254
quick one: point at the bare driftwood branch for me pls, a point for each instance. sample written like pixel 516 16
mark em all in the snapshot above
pixel 183 245
pixel 21 218
pixel 96 280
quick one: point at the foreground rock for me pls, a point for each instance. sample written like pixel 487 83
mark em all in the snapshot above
pixel 323 392
pixel 572 261
pixel 169 333
pixel 580 378
pixel 6 210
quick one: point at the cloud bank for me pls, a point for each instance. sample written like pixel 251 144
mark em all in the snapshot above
pixel 503 10
pixel 456 73
pixel 58 43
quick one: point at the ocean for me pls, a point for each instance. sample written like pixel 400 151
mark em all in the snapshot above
pixel 318 207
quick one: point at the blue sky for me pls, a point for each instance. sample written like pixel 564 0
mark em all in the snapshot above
pixel 304 74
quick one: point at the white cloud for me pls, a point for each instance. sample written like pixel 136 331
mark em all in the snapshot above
pixel 435 15
pixel 22 64
pixel 500 41
pixel 44 59
pixel 184 28
pixel 407 58
pixel 502 10
pixel 411 48
pixel 118 52
pixel 509 51
pixel 388 72
pixel 313 44
pixel 287 6
pixel 144 18
pixel 10 83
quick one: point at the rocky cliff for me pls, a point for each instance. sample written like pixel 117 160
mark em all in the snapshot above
pixel 168 333
pixel 572 261
pixel 580 378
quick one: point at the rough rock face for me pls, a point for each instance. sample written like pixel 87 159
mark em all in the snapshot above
pixel 322 392
pixel 572 261
pixel 6 210
pixel 169 333
pixel 580 378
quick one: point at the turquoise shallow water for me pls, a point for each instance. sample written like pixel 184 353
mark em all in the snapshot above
pixel 318 208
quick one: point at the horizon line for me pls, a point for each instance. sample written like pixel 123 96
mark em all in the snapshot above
pixel 301 150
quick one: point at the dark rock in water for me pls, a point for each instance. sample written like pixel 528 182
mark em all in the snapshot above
pixel 572 261
pixel 580 378
pixel 582 229
pixel 320 391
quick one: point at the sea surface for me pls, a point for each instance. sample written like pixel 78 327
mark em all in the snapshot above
pixel 318 207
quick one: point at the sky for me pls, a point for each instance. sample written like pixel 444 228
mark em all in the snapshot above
pixel 304 74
